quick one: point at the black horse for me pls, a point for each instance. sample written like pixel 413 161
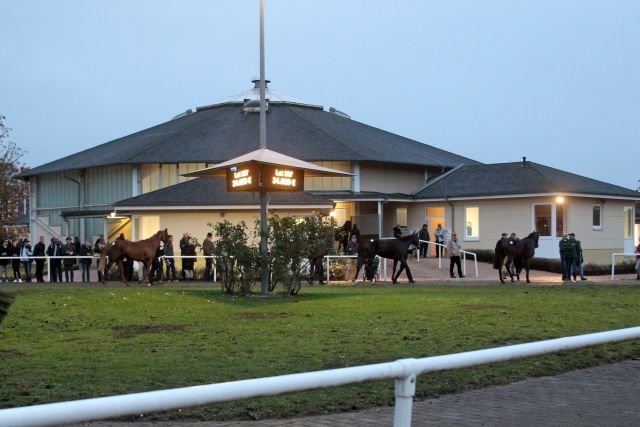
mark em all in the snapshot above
pixel 395 249
pixel 342 236
pixel 317 253
pixel 520 252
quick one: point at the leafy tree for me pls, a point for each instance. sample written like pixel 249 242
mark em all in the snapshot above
pixel 237 261
pixel 12 191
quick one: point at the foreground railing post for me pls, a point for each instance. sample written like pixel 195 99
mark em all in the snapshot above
pixel 405 390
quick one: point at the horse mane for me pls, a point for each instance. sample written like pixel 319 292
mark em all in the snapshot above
pixel 407 237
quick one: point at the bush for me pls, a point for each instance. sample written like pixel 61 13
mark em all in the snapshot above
pixel 237 261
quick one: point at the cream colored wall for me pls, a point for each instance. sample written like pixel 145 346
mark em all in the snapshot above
pixel 515 215
pixel 385 178
pixel 195 223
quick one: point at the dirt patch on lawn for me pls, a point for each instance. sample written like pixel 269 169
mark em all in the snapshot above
pixel 257 315
pixel 484 306
pixel 130 331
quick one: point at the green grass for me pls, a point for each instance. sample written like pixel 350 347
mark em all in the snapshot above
pixel 80 342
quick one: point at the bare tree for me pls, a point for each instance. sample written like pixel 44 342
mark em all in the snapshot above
pixel 13 192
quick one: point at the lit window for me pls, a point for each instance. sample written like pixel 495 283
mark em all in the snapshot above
pixel 472 223
pixel 597 217
pixel 629 221
pixel 542 219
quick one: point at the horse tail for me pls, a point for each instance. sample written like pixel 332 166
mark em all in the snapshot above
pixel 103 261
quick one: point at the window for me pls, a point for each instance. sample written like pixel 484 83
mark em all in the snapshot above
pixel 472 223
pixel 628 222
pixel 401 216
pixel 597 217
pixel 542 219
pixel 560 229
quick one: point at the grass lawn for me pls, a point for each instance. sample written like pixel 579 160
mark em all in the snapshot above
pixel 80 342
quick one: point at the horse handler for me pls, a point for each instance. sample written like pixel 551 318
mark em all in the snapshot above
pixel 453 248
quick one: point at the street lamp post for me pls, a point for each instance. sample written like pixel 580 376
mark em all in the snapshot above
pixel 264 269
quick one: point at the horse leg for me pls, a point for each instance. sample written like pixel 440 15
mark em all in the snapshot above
pixel 121 270
pixel 406 267
pixel 527 267
pixel 394 278
pixel 508 267
pixel 358 267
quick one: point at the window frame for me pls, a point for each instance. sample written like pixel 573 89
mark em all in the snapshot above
pixel 599 227
pixel 475 238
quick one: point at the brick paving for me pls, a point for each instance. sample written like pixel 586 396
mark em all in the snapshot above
pixel 601 396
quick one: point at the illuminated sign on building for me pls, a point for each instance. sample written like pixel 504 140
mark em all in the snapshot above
pixel 252 177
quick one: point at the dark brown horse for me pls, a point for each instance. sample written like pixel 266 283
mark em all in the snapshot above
pixel 520 252
pixel 395 249
pixel 143 251
pixel 318 250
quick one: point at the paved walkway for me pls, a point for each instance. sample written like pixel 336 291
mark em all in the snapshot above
pixel 602 396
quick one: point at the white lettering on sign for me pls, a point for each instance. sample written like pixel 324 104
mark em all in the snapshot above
pixel 284 173
pixel 241 174
pixel 285 182
pixel 240 182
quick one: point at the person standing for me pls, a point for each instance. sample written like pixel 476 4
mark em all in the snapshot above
pixel 208 249
pixel 39 251
pixel 5 252
pixel 16 247
pixel 25 258
pixel 453 249
pixel 171 263
pixel 97 249
pixel 54 251
pixel 439 236
pixel 572 262
pixel 577 265
pixel 352 249
pixel 69 250
pixel 85 263
pixel 188 251
pixel 565 261
pixel 424 243
pixel 156 266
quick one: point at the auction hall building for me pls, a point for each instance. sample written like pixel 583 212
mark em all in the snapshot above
pixel 136 185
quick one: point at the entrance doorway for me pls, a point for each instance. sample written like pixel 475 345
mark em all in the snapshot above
pixel 433 217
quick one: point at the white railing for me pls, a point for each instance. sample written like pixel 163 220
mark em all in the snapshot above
pixel 613 261
pixel 49 258
pixel 382 266
pixel 404 372
pixel 464 256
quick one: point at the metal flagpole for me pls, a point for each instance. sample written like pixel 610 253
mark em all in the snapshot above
pixel 264 271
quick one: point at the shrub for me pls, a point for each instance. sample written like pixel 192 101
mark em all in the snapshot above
pixel 237 261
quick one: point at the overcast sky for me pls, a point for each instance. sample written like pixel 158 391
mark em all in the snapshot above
pixel 556 81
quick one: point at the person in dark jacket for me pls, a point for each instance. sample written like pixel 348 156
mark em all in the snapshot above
pixel 577 262
pixel 85 263
pixel 156 266
pixel 4 263
pixel 208 249
pixel 39 250
pixel 171 262
pixel 187 263
pixel 425 237
pixel 565 260
pixel 355 231
pixel 16 248
pixel 127 263
pixel 55 250
pixel 69 250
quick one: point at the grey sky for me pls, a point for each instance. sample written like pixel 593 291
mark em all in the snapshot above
pixel 556 81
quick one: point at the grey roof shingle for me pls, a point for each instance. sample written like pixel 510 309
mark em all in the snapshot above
pixel 212 191
pixel 503 179
pixel 221 132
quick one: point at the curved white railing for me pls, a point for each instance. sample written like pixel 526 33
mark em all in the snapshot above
pixel 464 256
pixel 613 261
pixel 404 372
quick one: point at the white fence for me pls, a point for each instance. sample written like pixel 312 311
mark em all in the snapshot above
pixel 404 372
pixel 613 261
pixel 382 266
pixel 464 256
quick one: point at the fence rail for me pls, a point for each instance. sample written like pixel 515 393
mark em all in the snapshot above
pixel 404 372
pixel 613 261
pixel 464 256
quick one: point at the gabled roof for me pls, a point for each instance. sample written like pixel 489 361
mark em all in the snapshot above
pixel 212 192
pixel 512 179
pixel 223 131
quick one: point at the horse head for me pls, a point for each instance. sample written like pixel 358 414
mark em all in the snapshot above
pixel 164 236
pixel 534 236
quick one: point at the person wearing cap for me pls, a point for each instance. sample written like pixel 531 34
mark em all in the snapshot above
pixel 577 265
pixel 25 254
pixel 453 249
pixel 69 250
